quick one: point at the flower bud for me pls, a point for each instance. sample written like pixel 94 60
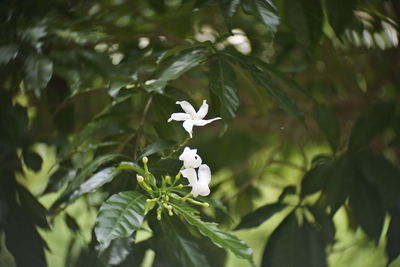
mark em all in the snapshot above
pixel 139 178
pixel 145 160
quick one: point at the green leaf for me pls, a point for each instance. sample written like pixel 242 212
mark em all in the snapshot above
pixel 297 245
pixel 32 160
pixel 33 207
pixel 339 180
pixel 329 125
pixel 119 216
pixel 58 179
pixel 130 166
pixel 117 251
pixel 38 71
pixel 305 17
pixel 8 53
pixel 315 179
pixel 367 207
pixel 264 80
pixel 340 14
pixel 228 7
pixel 71 223
pixel 155 148
pixel 324 223
pixel 23 240
pixel 392 235
pixel 75 183
pixel 222 83
pixel 95 182
pixel 217 236
pixel 173 67
pixel 265 10
pixel 185 250
pixel 371 123
pixel 260 215
pixel 287 191
pixel 382 174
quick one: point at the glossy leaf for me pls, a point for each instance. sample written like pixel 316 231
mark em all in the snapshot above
pixel 297 245
pixel 329 125
pixel 38 72
pixel 264 10
pixel 8 53
pixel 156 147
pixel 130 166
pixel 173 67
pixel 217 236
pixel 222 83
pixel 229 7
pixel 117 251
pixel 95 182
pixel 119 216
pixel 260 215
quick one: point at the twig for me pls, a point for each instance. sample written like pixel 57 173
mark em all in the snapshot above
pixel 257 176
pixel 141 126
pixel 177 149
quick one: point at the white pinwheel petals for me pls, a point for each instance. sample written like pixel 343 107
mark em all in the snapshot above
pixel 190 158
pixel 199 183
pixel 192 118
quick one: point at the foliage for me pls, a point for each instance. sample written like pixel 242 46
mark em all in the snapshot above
pixel 292 80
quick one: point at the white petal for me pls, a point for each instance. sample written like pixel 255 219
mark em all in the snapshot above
pixel 202 111
pixel 200 189
pixel 179 117
pixel 188 125
pixel 191 175
pixel 190 158
pixel 204 122
pixel 187 107
pixel 204 174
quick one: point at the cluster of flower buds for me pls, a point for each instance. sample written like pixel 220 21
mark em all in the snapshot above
pixel 198 180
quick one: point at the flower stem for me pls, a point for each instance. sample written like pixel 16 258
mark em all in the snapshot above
pixel 178 148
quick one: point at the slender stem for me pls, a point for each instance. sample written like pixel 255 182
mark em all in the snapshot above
pixel 141 126
pixel 177 149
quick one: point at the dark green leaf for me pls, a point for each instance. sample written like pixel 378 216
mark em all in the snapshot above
pixel 287 191
pixel 264 80
pixel 117 251
pixel 184 248
pixel 382 174
pixel 294 245
pixel 367 207
pixel 38 72
pixel 23 240
pixel 315 179
pixel 173 67
pixel 217 236
pixel 166 167
pixel 260 215
pixel 370 124
pixel 33 207
pixel 323 223
pixel 340 14
pixel 339 180
pixel 265 10
pixel 95 182
pixel 58 179
pixel 229 7
pixel 222 83
pixel 393 236
pixel 8 53
pixel 155 147
pixel 120 216
pixel 329 125
pixel 32 160
pixel 305 17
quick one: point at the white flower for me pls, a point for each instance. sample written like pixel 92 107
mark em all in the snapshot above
pixel 190 158
pixel 199 184
pixel 191 118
